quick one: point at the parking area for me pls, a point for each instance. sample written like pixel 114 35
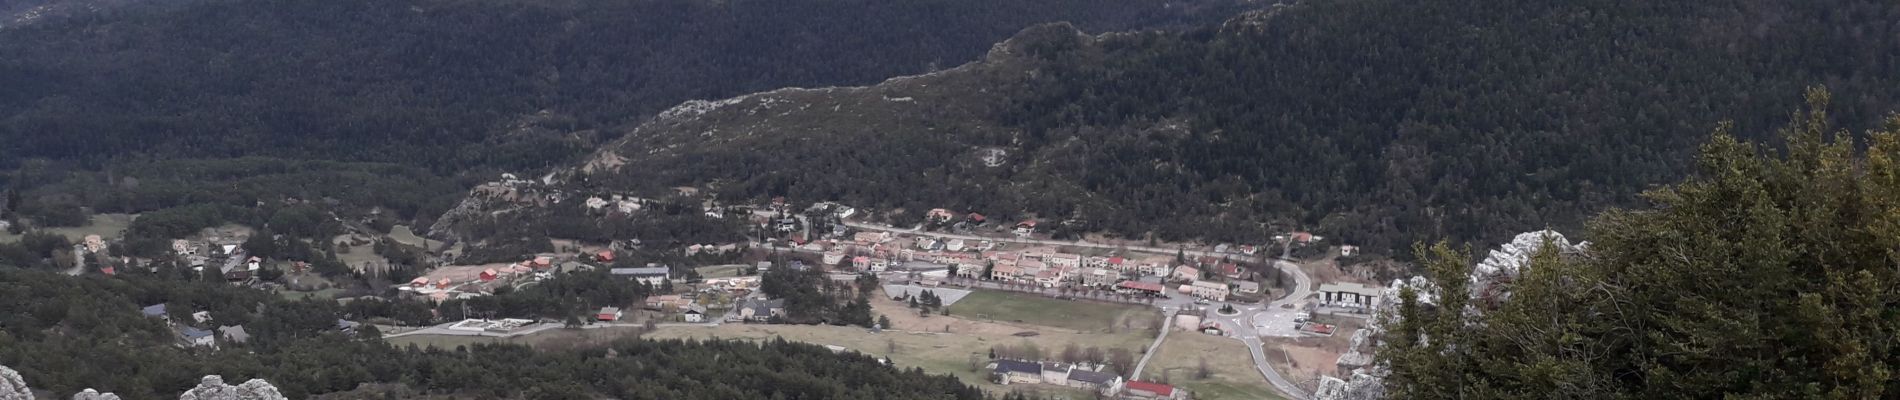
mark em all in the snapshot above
pixel 1277 322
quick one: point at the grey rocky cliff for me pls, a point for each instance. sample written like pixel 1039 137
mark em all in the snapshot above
pixel 214 388
pixel 12 386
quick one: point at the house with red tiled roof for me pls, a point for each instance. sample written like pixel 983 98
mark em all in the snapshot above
pixel 1049 278
pixel 1026 228
pixel 1152 390
pixel 939 215
pixel 1005 272
pixel 1140 287
pixel 1233 271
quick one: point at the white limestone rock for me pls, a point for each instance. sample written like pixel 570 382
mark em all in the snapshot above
pixel 1509 259
pixel 90 394
pixel 1362 386
pixel 214 388
pixel 12 386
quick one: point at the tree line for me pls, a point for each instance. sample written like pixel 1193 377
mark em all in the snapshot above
pixel 82 332
pixel 1766 274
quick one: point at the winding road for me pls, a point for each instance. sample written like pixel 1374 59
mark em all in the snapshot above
pixel 1240 324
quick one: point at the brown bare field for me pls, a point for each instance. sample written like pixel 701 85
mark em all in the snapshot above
pixel 922 341
pixel 1313 357
pixel 1233 374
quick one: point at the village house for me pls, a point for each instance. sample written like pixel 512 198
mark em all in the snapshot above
pixel 1349 295
pixel 195 337
pixel 234 333
pixel 1056 373
pixel 668 302
pixel 695 313
pixel 1031 267
pixel 868 238
pixel 939 215
pixel 1012 371
pixel 1246 287
pixel 969 269
pixel 650 275
pixel 608 314
pixel 1348 250
pixel 1026 228
pixel 1233 271
pixel 1151 390
pixel 833 257
pixel 1005 272
pixel 1049 278
pixel 94 243
pixel 1064 260
pixel 1102 382
pixel 1100 277
pixel 156 311
pixel 1185 273
pixel 1135 287
pixel 953 245
pixel 1215 291
pixel 861 263
pixel 879 265
pixel 755 310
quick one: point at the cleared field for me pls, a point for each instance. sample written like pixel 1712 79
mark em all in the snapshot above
pixel 942 353
pixel 1234 376
pixel 105 225
pixel 402 234
pixel 1078 315
pixel 720 271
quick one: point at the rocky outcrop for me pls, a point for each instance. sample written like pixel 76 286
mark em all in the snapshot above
pixel 214 388
pixel 1362 386
pixel 90 394
pixel 1505 263
pixel 1489 279
pixel 12 386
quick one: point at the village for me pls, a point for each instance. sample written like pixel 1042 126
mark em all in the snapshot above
pixel 1113 320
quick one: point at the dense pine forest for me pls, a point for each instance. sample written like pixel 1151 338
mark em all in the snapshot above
pixel 1768 274
pixel 144 106
pixel 1378 122
pixel 451 84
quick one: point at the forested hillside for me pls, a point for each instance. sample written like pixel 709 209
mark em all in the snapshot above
pixel 1379 122
pixel 455 84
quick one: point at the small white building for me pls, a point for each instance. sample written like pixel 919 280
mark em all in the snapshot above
pixel 1349 295
pixel 695 313
pixel 1210 290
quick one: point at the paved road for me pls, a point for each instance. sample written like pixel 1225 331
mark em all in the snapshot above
pixel 1155 347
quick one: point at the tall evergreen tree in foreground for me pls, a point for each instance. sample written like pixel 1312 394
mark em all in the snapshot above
pixel 1771 274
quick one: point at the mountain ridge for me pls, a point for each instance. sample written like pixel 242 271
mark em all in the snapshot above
pixel 1381 122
